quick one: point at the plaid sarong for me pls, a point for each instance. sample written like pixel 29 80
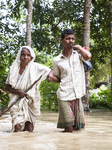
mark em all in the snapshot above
pixel 71 114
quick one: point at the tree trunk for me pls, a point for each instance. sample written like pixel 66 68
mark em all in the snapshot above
pixel 28 25
pixel 111 45
pixel 86 39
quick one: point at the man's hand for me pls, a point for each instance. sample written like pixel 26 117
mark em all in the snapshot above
pixel 50 76
pixel 77 47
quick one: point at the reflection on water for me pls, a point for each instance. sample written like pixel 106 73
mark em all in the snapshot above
pixel 97 134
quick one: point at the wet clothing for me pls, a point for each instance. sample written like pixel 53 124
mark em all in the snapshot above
pixel 71 89
pixel 27 108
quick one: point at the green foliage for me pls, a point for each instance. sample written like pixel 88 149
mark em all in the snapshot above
pixel 5 60
pixel 100 37
pixel 101 99
pixel 50 21
pixel 48 96
pixel 101 74
pixel 100 32
pixel 47 90
pixel 4 99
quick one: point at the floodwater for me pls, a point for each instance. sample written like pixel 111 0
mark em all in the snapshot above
pixel 97 134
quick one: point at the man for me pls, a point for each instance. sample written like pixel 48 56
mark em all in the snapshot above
pixel 68 67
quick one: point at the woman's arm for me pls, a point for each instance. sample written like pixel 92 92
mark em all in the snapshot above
pixel 21 93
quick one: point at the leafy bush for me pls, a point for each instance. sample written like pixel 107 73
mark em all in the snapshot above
pixel 48 96
pixel 100 98
pixel 4 99
pixel 48 90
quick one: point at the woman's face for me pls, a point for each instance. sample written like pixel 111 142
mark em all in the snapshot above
pixel 25 56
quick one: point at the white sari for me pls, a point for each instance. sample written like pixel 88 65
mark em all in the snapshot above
pixel 27 108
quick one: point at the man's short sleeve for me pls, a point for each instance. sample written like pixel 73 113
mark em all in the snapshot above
pixel 56 69
pixel 80 55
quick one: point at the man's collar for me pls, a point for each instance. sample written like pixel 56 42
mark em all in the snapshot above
pixel 62 56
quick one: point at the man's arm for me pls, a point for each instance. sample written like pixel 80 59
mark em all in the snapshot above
pixel 85 53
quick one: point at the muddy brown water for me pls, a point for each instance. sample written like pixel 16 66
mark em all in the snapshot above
pixel 97 134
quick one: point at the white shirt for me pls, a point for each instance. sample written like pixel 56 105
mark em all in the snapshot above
pixel 71 74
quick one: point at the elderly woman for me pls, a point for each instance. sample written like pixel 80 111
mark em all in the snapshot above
pixel 23 73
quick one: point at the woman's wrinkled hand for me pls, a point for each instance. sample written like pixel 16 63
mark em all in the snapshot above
pixel 21 93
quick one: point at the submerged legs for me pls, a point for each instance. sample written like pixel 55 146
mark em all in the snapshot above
pixel 17 128
pixel 28 127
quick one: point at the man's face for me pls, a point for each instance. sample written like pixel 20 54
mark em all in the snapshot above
pixel 25 56
pixel 68 41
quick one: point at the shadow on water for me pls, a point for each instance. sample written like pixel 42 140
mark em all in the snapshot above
pixel 97 134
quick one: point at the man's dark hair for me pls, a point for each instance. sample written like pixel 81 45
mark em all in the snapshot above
pixel 66 31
